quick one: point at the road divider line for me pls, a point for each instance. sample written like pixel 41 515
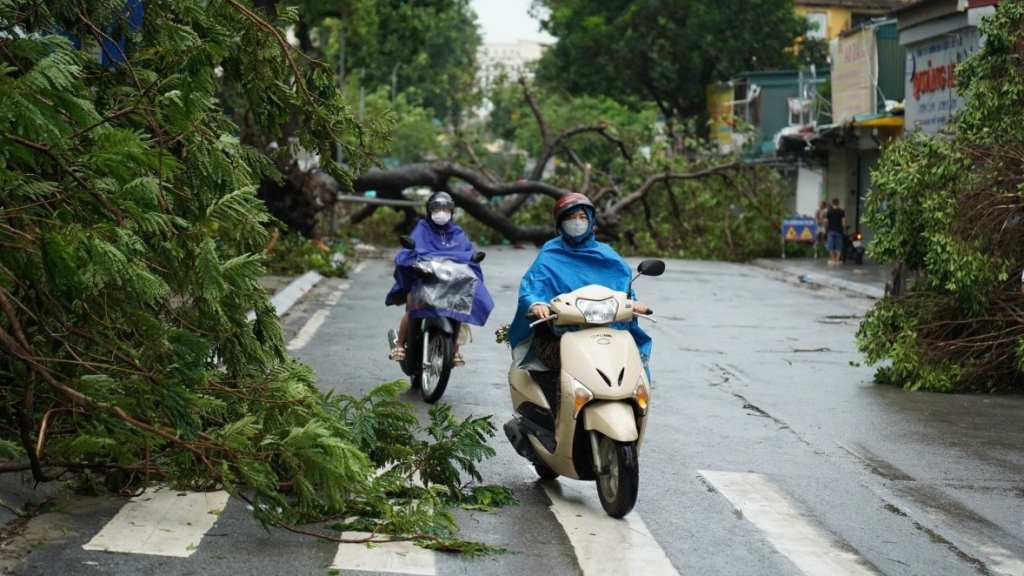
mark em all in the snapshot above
pixel 605 546
pixel 309 330
pixel 335 296
pixel 789 530
pixel 161 522
pixel 393 557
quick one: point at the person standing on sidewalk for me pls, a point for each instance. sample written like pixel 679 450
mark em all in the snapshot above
pixel 836 217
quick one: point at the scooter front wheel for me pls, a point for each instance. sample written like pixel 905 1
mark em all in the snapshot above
pixel 438 365
pixel 544 472
pixel 618 480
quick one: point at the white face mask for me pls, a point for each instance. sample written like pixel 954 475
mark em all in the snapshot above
pixel 441 218
pixel 574 228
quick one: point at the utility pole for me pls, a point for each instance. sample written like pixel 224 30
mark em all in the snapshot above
pixel 338 156
pixel 394 82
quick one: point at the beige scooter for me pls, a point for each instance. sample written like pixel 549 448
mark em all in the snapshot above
pixel 588 421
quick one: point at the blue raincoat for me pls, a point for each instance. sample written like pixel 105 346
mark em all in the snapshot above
pixel 563 265
pixel 433 241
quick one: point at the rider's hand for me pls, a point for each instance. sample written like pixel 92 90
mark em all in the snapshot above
pixel 640 308
pixel 541 311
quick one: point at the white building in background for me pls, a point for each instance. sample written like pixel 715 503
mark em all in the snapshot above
pixel 505 61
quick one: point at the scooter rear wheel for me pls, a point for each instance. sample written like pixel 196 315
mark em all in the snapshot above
pixel 434 376
pixel 618 482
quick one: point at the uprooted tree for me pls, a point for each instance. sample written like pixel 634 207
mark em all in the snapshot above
pixel 131 242
pixel 691 202
pixel 950 213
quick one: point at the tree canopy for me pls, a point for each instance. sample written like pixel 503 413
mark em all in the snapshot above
pixel 663 51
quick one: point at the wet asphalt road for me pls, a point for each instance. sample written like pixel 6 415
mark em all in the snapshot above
pixel 755 373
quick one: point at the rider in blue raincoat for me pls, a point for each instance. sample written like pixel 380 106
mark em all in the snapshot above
pixel 565 263
pixel 437 237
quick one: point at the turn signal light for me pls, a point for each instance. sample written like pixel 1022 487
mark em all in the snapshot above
pixel 580 397
pixel 641 396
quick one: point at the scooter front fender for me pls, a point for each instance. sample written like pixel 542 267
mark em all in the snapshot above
pixel 615 420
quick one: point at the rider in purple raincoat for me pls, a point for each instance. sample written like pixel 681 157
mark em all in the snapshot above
pixel 437 237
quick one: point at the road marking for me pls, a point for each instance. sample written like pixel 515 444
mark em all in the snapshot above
pixel 336 295
pixel 359 267
pixel 309 330
pixel 791 532
pixel 605 546
pixel 161 522
pixel 395 557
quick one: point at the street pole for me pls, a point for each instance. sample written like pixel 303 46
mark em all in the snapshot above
pixel 338 156
pixel 394 81
pixel 362 94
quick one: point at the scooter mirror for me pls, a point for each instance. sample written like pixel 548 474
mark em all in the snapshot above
pixel 407 242
pixel 651 268
pixel 477 257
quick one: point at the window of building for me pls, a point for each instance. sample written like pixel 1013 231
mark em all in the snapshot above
pixel 818 25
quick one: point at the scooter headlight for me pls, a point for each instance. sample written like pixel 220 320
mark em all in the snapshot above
pixel 580 396
pixel 598 311
pixel 642 395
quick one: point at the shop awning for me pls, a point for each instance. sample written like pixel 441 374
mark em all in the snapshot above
pixel 878 121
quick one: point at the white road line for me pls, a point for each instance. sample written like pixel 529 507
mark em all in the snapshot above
pixel 291 293
pixel 605 546
pixel 309 330
pixel 394 557
pixel 335 296
pixel 791 532
pixel 161 522
pixel 359 267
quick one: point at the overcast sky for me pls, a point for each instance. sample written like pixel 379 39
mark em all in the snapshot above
pixel 507 21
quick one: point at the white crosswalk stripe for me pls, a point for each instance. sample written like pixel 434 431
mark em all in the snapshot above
pixel 590 531
pixel 393 557
pixel 161 522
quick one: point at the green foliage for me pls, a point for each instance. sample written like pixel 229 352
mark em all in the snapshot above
pixel 426 50
pixel 416 136
pixel 665 50
pixel 292 255
pixel 733 218
pixel 949 211
pixel 131 242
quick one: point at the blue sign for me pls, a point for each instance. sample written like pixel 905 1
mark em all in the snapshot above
pixel 799 229
pixel 111 51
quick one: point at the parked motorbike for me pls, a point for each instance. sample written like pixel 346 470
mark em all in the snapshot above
pixel 853 247
pixel 443 286
pixel 588 421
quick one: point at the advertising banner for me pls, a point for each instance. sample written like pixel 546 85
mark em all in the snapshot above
pixel 853 72
pixel 931 79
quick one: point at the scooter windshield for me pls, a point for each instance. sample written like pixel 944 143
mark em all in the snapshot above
pixel 446 285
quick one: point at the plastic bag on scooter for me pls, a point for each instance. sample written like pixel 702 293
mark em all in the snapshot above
pixel 447 285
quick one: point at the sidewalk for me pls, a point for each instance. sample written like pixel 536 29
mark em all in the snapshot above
pixel 867 279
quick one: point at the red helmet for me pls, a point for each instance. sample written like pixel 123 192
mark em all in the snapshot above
pixel 566 203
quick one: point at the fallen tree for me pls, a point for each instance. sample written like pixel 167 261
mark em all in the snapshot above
pixel 131 243
pixel 617 190
pixel 949 212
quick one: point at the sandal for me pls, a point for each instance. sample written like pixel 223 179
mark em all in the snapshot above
pixel 458 360
pixel 397 354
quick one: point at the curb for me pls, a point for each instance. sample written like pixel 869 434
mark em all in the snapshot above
pixel 805 276
pixel 290 294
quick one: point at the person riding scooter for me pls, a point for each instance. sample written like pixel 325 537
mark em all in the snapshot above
pixel 571 260
pixel 437 236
